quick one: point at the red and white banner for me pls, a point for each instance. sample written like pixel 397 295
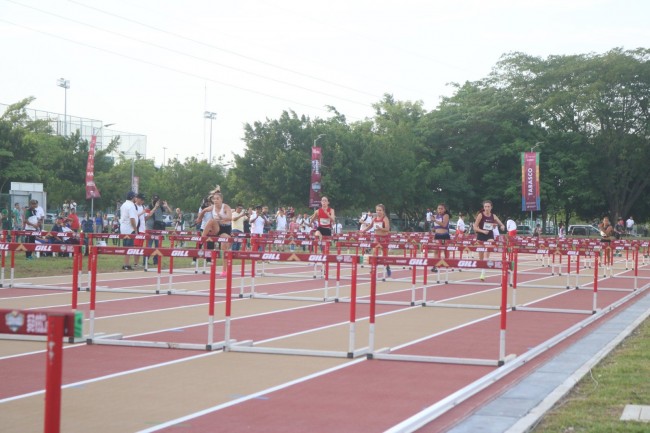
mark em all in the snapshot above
pixel 91 188
pixel 530 181
pixel 315 185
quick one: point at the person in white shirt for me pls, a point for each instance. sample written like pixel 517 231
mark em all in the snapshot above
pixel 128 225
pixel 365 221
pixel 281 220
pixel 140 224
pixel 460 227
pixel 511 227
pixel 258 220
pixel 239 216
pixel 40 214
pixel 629 225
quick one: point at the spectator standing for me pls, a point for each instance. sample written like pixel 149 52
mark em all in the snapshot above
pixel 561 231
pixel 511 227
pixel 157 206
pixel 258 221
pixel 17 217
pixel 40 214
pixel 116 230
pixel 87 227
pixel 460 227
pixel 99 223
pixel 148 226
pixel 281 220
pixel 365 221
pixel 629 225
pixel 7 222
pixel 140 225
pixel 128 225
pixel 429 218
pixel 239 216
pixel 32 223
pixel 179 221
pixel 73 220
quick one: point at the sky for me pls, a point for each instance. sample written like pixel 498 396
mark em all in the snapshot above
pixel 154 67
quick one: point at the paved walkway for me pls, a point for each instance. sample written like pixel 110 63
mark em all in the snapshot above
pixel 520 408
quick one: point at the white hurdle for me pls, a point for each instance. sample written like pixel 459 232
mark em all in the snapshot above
pixel 117 339
pixel 352 350
pixel 385 353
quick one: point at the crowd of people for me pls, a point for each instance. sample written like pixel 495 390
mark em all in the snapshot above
pixel 216 218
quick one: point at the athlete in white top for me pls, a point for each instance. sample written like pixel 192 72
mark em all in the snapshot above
pixel 221 223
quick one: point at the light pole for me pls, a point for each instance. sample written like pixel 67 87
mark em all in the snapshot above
pixel 210 115
pixel 320 168
pixel 100 129
pixel 62 82
pixel 164 149
pixel 532 149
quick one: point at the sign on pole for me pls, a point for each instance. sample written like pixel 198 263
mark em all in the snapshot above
pixel 530 181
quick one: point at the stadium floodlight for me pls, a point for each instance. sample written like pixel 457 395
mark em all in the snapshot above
pixel 62 82
pixel 210 115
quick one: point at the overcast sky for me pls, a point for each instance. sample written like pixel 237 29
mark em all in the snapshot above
pixel 153 67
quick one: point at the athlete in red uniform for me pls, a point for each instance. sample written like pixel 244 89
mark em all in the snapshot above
pixel 380 226
pixel 324 217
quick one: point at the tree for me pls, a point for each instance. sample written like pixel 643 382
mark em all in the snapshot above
pixel 603 98
pixel 19 145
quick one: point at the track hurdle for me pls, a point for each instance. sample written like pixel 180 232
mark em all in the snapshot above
pixel 116 339
pixel 265 243
pixel 19 247
pixel 352 350
pixel 385 354
pixel 202 242
pixel 569 254
pixel 276 257
pixel 438 247
pixel 53 325
pixel 151 251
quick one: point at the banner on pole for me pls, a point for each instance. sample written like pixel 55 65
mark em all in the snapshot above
pixel 91 189
pixel 315 185
pixel 530 181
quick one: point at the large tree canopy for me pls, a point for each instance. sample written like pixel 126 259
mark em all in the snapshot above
pixel 602 100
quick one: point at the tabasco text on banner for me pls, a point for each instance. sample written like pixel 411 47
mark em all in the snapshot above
pixel 530 181
pixel 315 186
pixel 91 188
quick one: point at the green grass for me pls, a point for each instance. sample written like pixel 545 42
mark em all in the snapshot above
pixel 50 266
pixel 596 403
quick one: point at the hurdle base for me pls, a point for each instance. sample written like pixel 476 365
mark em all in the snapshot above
pixel 438 359
pixel 300 352
pixel 118 341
